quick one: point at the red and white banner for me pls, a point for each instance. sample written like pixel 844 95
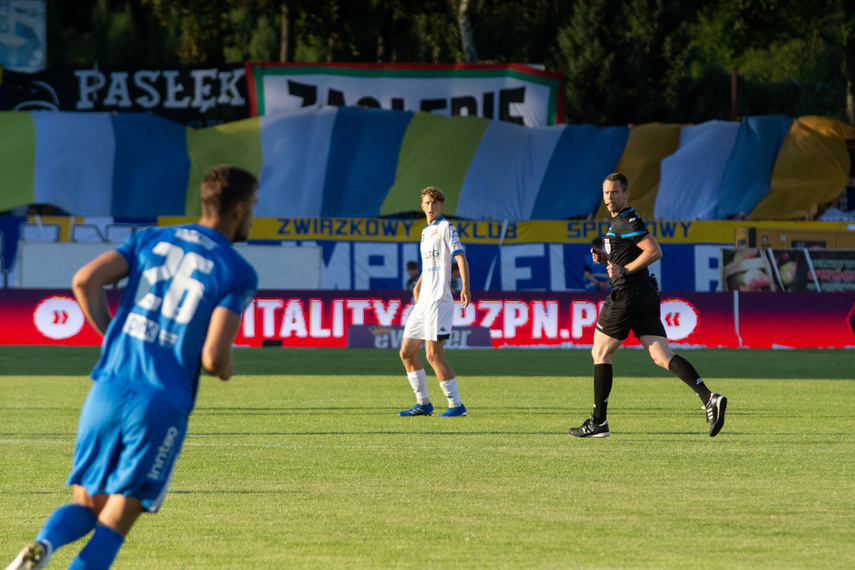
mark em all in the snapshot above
pixel 322 318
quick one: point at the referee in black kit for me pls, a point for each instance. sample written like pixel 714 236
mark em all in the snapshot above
pixel 633 305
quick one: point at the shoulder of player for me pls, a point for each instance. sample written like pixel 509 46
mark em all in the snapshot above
pixel 628 218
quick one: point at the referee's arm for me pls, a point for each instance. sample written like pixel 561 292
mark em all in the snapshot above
pixel 650 253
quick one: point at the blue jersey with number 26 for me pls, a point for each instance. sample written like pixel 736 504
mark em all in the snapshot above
pixel 178 276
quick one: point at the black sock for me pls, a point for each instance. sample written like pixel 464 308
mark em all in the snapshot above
pixel 602 388
pixel 684 370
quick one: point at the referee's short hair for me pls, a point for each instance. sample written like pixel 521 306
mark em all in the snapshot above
pixel 620 178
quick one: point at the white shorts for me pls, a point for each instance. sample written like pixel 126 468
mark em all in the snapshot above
pixel 430 320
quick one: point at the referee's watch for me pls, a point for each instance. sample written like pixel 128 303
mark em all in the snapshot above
pixel 623 270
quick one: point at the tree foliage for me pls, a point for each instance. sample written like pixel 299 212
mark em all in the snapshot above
pixel 624 61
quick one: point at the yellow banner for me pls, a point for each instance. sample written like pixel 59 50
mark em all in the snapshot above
pixel 494 232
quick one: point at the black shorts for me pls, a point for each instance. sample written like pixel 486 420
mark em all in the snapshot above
pixel 633 308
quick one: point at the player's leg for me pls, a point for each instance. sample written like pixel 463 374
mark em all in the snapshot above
pixel 438 321
pixel 598 425
pixel 713 404
pixel 613 327
pixel 95 447
pixel 412 340
pixel 114 522
pixel 662 355
pixel 416 377
pixel 66 524
pixel 435 350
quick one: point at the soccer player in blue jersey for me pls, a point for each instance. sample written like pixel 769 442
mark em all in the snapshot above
pixel 431 318
pixel 633 305
pixel 187 288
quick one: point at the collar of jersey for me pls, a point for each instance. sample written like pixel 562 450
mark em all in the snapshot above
pixel 438 220
pixel 625 211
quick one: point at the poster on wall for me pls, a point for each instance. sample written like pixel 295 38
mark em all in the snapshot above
pixel 23 35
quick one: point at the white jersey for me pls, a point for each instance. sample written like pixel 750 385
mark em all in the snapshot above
pixel 439 245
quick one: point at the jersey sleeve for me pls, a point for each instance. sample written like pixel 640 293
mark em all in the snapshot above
pixel 634 229
pixel 243 289
pixel 129 247
pixel 452 241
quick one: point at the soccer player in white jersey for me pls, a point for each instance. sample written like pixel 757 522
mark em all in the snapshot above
pixel 431 318
pixel 187 288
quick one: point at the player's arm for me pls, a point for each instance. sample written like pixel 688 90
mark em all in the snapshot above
pixel 417 289
pixel 650 253
pixel 463 266
pixel 217 357
pixel 88 286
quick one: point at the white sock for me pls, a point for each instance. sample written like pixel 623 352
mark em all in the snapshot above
pixel 418 380
pixel 450 389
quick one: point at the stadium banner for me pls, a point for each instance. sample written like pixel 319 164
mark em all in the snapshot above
pixel 507 92
pixel 194 96
pixel 23 35
pixel 323 318
pixel 495 231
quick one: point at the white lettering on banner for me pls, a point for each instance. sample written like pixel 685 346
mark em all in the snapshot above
pixel 392 338
pixel 708 268
pixel 248 320
pixel 357 307
pixel 268 308
pixel 202 99
pixel 337 271
pixel 385 315
pixel 582 314
pixel 493 309
pixel 338 318
pixel 144 80
pixel 516 315
pixel 374 261
pixel 458 339
pixel 536 319
pixel 208 88
pixel 173 89
pixel 316 318
pixel 544 319
pixel 464 317
pixel 117 93
pixel 294 320
pixel 557 273
pixel 512 274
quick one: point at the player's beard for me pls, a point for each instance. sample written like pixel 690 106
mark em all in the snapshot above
pixel 242 231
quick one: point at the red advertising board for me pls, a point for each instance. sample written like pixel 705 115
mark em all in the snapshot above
pixel 322 318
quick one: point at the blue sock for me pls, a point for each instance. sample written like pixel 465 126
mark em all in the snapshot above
pixel 100 551
pixel 66 524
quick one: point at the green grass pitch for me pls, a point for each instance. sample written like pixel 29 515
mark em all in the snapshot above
pixel 301 462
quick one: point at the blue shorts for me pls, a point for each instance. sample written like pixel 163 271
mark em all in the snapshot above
pixel 127 444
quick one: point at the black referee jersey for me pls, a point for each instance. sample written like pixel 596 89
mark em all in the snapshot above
pixel 626 231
